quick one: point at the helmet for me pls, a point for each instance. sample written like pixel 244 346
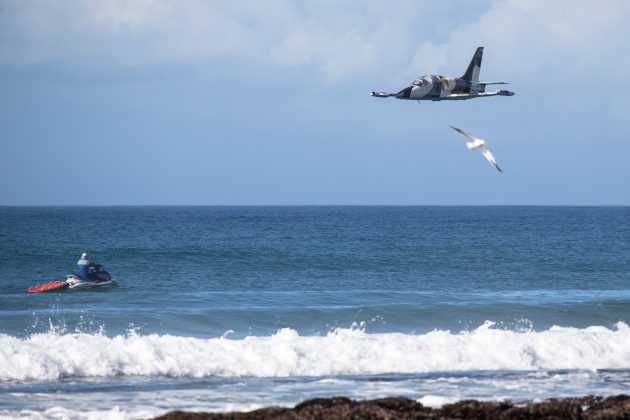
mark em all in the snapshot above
pixel 84 256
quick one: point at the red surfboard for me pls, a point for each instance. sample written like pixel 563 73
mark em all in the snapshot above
pixel 47 287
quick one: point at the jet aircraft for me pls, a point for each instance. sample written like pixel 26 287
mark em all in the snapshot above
pixel 437 88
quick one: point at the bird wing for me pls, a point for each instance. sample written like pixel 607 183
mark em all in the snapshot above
pixel 466 133
pixel 490 158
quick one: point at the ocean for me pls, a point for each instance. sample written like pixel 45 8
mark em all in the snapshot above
pixel 237 308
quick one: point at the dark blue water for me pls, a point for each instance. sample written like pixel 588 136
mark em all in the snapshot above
pixel 263 305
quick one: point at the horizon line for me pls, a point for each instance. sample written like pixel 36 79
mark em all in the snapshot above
pixel 312 205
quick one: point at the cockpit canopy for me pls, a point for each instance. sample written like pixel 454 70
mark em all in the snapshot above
pixel 425 80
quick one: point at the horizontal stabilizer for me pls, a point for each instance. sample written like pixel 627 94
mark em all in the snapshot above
pixel 382 94
pixel 491 83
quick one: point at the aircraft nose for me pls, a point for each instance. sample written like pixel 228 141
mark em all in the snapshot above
pixel 404 93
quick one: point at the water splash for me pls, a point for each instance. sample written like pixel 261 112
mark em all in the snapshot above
pixel 343 351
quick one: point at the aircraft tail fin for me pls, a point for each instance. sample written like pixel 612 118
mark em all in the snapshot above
pixel 472 72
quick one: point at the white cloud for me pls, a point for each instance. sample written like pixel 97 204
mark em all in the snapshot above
pixel 336 56
pixel 429 58
pixel 336 38
pixel 560 40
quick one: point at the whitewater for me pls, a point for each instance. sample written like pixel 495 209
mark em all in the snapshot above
pixel 52 356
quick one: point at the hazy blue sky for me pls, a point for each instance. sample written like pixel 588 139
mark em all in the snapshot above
pixel 253 102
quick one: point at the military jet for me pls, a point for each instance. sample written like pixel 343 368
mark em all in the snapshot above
pixel 437 88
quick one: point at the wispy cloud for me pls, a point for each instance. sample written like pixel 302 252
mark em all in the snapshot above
pixel 335 39
pixel 332 38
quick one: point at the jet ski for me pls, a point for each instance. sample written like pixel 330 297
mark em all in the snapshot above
pixel 101 279
pixel 74 282
pixel 89 277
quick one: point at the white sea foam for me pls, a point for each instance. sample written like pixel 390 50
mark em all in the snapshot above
pixel 115 413
pixel 436 401
pixel 344 351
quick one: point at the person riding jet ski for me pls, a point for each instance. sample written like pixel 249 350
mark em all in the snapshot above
pixel 85 276
pixel 90 272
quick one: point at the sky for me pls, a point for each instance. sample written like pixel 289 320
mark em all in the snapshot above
pixel 195 102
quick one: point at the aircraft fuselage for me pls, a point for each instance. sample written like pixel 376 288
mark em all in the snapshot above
pixel 436 88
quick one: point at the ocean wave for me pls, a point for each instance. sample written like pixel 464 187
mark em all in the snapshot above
pixel 349 351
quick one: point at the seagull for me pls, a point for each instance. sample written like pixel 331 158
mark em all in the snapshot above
pixel 477 143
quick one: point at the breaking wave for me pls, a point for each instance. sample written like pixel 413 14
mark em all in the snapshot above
pixel 50 356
